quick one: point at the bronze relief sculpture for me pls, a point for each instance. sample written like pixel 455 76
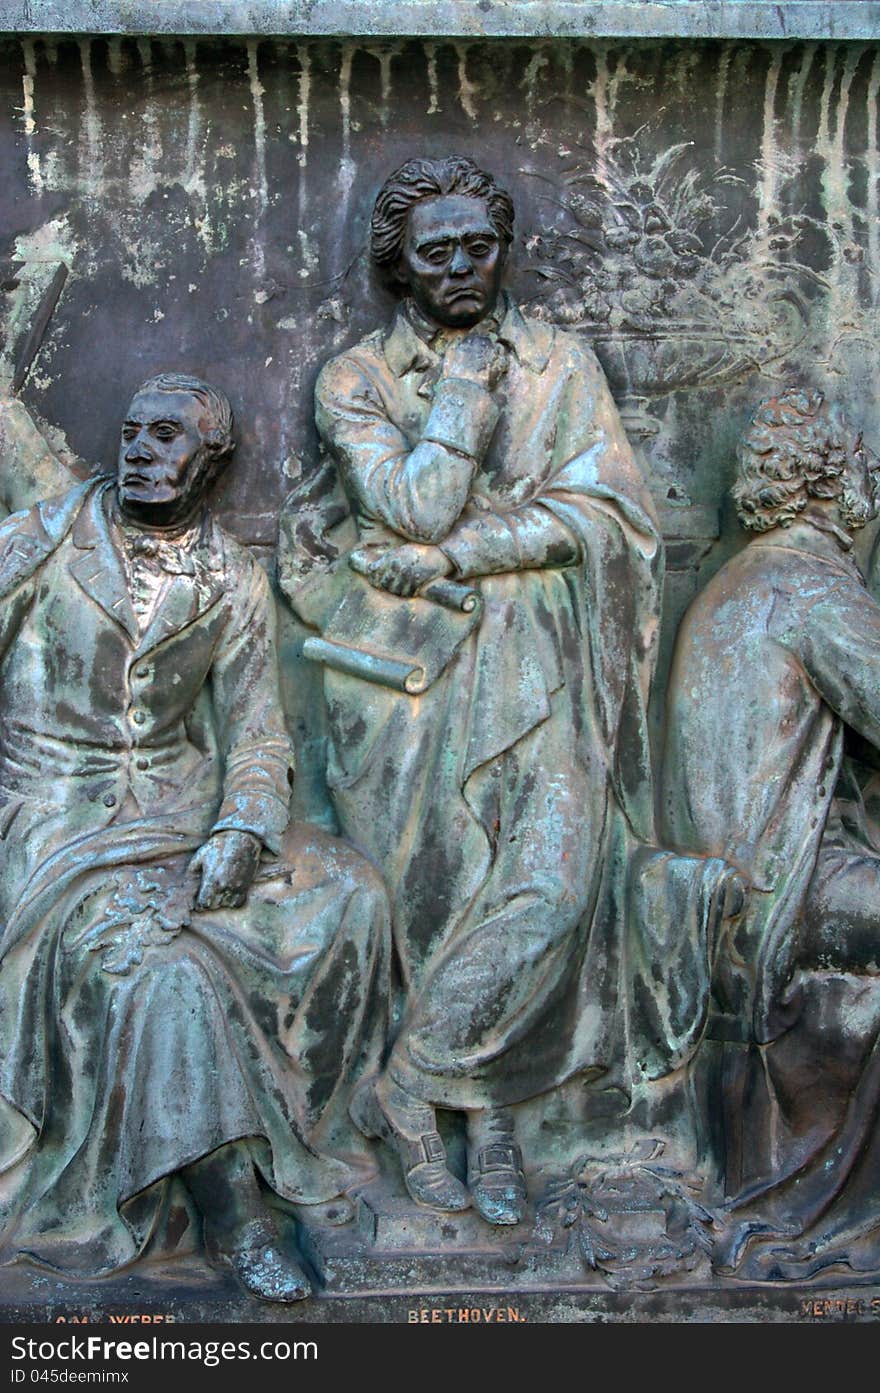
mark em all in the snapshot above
pixel 481 446
pixel 770 763
pixel 488 626
pixel 169 937
pixel 617 1030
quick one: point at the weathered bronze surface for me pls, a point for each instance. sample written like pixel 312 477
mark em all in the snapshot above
pixel 770 764
pixel 175 956
pixel 503 785
pixel 496 318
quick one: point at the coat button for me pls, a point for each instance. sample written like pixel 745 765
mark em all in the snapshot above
pixel 143 764
pixel 138 717
pixel 109 800
pixel 142 672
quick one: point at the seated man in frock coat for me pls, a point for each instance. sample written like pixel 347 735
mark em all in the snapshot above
pixel 190 984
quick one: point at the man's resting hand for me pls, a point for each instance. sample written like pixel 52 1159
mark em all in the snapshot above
pixel 227 864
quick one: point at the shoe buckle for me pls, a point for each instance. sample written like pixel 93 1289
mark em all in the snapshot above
pixel 427 1148
pixel 432 1145
pixel 497 1157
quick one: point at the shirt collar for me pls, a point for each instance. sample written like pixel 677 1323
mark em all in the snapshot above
pixel 169 551
pixel 824 524
pixel 815 533
pixel 100 520
pixel 407 343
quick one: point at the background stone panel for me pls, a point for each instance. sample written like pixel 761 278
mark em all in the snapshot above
pixel 211 198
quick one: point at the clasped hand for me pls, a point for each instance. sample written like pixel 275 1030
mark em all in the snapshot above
pixel 477 358
pixel 402 570
pixel 405 570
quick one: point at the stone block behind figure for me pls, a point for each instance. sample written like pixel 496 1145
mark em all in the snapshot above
pixel 191 985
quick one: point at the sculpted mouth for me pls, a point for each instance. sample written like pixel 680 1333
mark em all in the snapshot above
pixel 141 482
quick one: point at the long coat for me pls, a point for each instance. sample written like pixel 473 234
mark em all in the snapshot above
pixel 136 1037
pixel 499 802
pixel 777 657
pixel 776 675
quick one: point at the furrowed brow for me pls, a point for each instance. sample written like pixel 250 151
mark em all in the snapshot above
pixel 445 235
pixel 435 240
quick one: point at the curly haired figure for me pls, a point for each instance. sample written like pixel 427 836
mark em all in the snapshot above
pixel 775 686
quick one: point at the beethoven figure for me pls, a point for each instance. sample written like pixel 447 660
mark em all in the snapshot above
pixel 507 558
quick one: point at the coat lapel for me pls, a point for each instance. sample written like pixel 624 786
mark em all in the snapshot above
pixel 531 340
pixel 98 567
pixel 100 571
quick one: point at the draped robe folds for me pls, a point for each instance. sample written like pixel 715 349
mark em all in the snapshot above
pixel 776 676
pixel 131 1046
pixel 503 802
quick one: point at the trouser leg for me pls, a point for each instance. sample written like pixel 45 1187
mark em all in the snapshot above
pixel 239 1231
pixel 225 1188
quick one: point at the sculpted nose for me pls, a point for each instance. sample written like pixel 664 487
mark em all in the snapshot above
pixel 138 450
pixel 460 264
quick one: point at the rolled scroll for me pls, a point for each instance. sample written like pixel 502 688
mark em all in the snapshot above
pixel 396 673
pixel 451 595
pixel 399 642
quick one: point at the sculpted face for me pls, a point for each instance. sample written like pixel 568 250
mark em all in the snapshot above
pixel 165 461
pixel 452 260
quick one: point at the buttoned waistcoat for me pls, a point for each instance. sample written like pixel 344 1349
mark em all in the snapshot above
pixel 185 714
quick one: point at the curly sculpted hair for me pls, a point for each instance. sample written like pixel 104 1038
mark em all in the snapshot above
pixel 793 450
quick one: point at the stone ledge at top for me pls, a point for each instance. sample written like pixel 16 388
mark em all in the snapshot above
pixel 474 19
